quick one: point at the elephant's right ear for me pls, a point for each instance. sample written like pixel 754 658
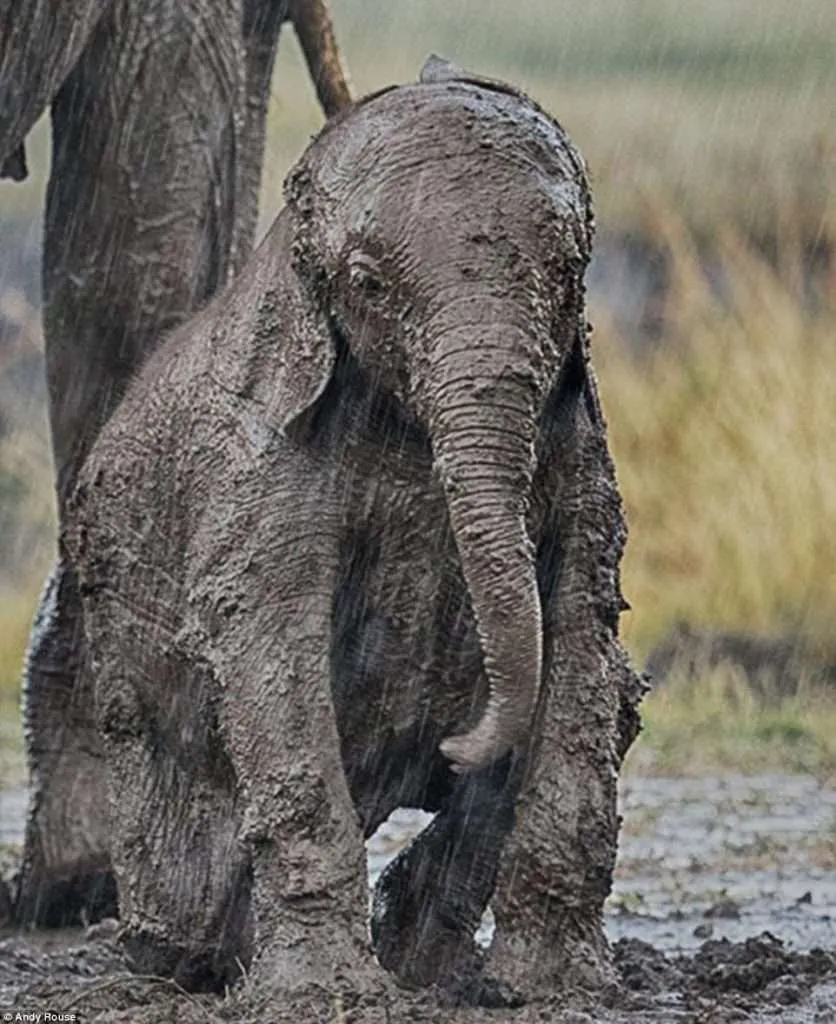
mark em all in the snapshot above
pixel 283 355
pixel 306 354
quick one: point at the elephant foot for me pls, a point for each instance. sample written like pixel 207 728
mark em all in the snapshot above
pixel 450 962
pixel 572 956
pixel 435 955
pixel 354 995
pixel 152 950
pixel 472 986
pixel 305 963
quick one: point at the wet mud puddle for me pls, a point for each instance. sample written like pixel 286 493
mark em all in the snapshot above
pixel 702 861
pixel 704 858
pixel 726 857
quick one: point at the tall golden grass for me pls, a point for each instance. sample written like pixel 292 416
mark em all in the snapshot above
pixel 724 437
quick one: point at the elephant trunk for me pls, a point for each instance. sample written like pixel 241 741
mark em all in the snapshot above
pixel 483 419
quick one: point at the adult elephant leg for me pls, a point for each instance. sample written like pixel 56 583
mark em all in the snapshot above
pixel 140 230
pixel 557 866
pixel 261 27
pixel 429 901
pixel 39 44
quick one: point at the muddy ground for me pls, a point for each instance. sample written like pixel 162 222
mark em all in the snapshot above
pixel 724 909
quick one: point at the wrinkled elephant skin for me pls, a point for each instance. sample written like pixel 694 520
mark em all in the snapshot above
pixel 352 534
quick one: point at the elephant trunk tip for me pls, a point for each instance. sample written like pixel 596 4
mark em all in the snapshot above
pixel 485 743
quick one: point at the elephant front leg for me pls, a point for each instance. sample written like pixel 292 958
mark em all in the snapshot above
pixel 300 828
pixel 557 866
pixel 430 899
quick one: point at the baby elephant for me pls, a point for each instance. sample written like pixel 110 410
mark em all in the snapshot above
pixel 351 543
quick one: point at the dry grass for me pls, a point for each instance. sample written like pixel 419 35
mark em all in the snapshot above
pixel 726 110
pixel 725 441
pixel 15 619
pixel 16 610
pixel 27 529
pixel 717 725
pixel 724 436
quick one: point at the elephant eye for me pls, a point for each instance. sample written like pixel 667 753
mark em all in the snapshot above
pixel 365 279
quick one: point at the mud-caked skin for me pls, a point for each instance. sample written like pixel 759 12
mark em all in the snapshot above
pixel 158 116
pixel 351 543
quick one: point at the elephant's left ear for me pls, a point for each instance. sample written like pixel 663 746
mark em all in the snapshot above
pixel 437 69
pixel 308 353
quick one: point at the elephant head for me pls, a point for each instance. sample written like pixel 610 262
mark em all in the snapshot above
pixel 443 229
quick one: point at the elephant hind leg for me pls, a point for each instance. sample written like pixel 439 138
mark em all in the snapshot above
pixel 184 878
pixel 183 874
pixel 429 901
pixel 65 877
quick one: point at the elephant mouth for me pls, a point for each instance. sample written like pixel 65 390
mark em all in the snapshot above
pixel 366 406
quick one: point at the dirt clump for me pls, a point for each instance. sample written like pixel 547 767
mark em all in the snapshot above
pixel 761 968
pixel 643 968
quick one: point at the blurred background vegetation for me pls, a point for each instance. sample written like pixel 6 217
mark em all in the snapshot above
pixel 710 131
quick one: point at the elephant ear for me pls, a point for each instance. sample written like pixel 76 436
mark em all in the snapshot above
pixel 306 354
pixel 437 70
pixel 273 345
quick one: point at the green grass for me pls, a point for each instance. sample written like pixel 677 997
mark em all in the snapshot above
pixel 716 725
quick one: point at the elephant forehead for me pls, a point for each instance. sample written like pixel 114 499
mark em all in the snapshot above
pixel 428 125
